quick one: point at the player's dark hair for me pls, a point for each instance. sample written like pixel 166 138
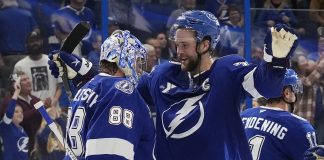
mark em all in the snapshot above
pixel 108 67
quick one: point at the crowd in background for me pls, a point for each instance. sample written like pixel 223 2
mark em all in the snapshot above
pixel 32 28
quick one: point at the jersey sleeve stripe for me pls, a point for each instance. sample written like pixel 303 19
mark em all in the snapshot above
pixel 6 119
pixel 114 146
pixel 85 66
pixel 248 84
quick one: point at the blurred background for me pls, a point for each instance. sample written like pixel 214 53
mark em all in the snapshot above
pixel 150 20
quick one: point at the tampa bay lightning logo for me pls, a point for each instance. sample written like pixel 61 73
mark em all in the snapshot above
pixel 22 144
pixel 174 119
pixel 125 86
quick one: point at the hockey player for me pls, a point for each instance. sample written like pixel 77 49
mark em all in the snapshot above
pixel 108 119
pixel 15 139
pixel 197 100
pixel 275 133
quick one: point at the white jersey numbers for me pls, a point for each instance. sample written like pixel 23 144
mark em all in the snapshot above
pixel 117 115
pixel 256 143
pixel 74 131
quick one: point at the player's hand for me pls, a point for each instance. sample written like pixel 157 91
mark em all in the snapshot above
pixel 74 64
pixel 314 153
pixel 279 44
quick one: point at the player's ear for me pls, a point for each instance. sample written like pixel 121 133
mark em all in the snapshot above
pixel 203 46
pixel 287 92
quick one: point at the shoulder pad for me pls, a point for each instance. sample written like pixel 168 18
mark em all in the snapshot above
pixel 125 86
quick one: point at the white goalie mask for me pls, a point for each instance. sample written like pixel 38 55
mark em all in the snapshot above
pixel 126 51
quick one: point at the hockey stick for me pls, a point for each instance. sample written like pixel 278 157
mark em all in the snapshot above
pixel 41 109
pixel 73 39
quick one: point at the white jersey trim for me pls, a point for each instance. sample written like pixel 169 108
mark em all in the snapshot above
pixel 114 146
pixel 272 108
pixel 248 84
pixel 6 119
pixel 85 66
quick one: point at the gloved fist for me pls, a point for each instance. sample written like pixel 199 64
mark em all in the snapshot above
pixel 74 64
pixel 314 153
pixel 279 45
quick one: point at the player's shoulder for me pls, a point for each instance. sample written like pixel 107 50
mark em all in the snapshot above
pixel 232 60
pixel 106 82
pixel 300 121
pixel 250 111
pixel 124 86
pixel 167 67
pixel 294 121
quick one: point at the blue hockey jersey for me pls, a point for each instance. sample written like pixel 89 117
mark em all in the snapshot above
pixel 273 133
pixel 198 118
pixel 15 139
pixel 110 120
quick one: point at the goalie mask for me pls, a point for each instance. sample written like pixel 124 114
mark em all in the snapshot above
pixel 126 51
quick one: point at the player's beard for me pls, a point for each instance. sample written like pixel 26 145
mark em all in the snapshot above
pixel 192 64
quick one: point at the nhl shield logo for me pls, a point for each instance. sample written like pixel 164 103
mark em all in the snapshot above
pixel 183 118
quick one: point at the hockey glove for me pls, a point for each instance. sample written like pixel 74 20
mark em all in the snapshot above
pixel 74 64
pixel 314 153
pixel 279 45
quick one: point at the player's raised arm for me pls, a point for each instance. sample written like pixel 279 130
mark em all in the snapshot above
pixel 266 79
pixel 80 70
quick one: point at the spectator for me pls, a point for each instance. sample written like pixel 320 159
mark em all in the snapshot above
pixel 257 55
pixel 157 46
pixel 184 5
pixel 236 19
pixel 13 35
pixel 32 118
pixel 62 28
pixel 151 58
pixel 15 139
pixel 310 105
pixel 73 14
pixel 315 12
pixel 166 50
pixel 43 11
pixel 76 12
pixel 94 55
pixel 319 54
pixel 48 146
pixel 44 86
pixel 276 11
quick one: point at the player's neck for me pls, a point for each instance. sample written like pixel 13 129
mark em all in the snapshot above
pixel 204 65
pixel 282 105
pixel 116 73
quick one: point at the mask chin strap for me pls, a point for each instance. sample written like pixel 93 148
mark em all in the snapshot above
pixel 292 107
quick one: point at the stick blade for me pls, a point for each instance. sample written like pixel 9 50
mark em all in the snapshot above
pixel 75 37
